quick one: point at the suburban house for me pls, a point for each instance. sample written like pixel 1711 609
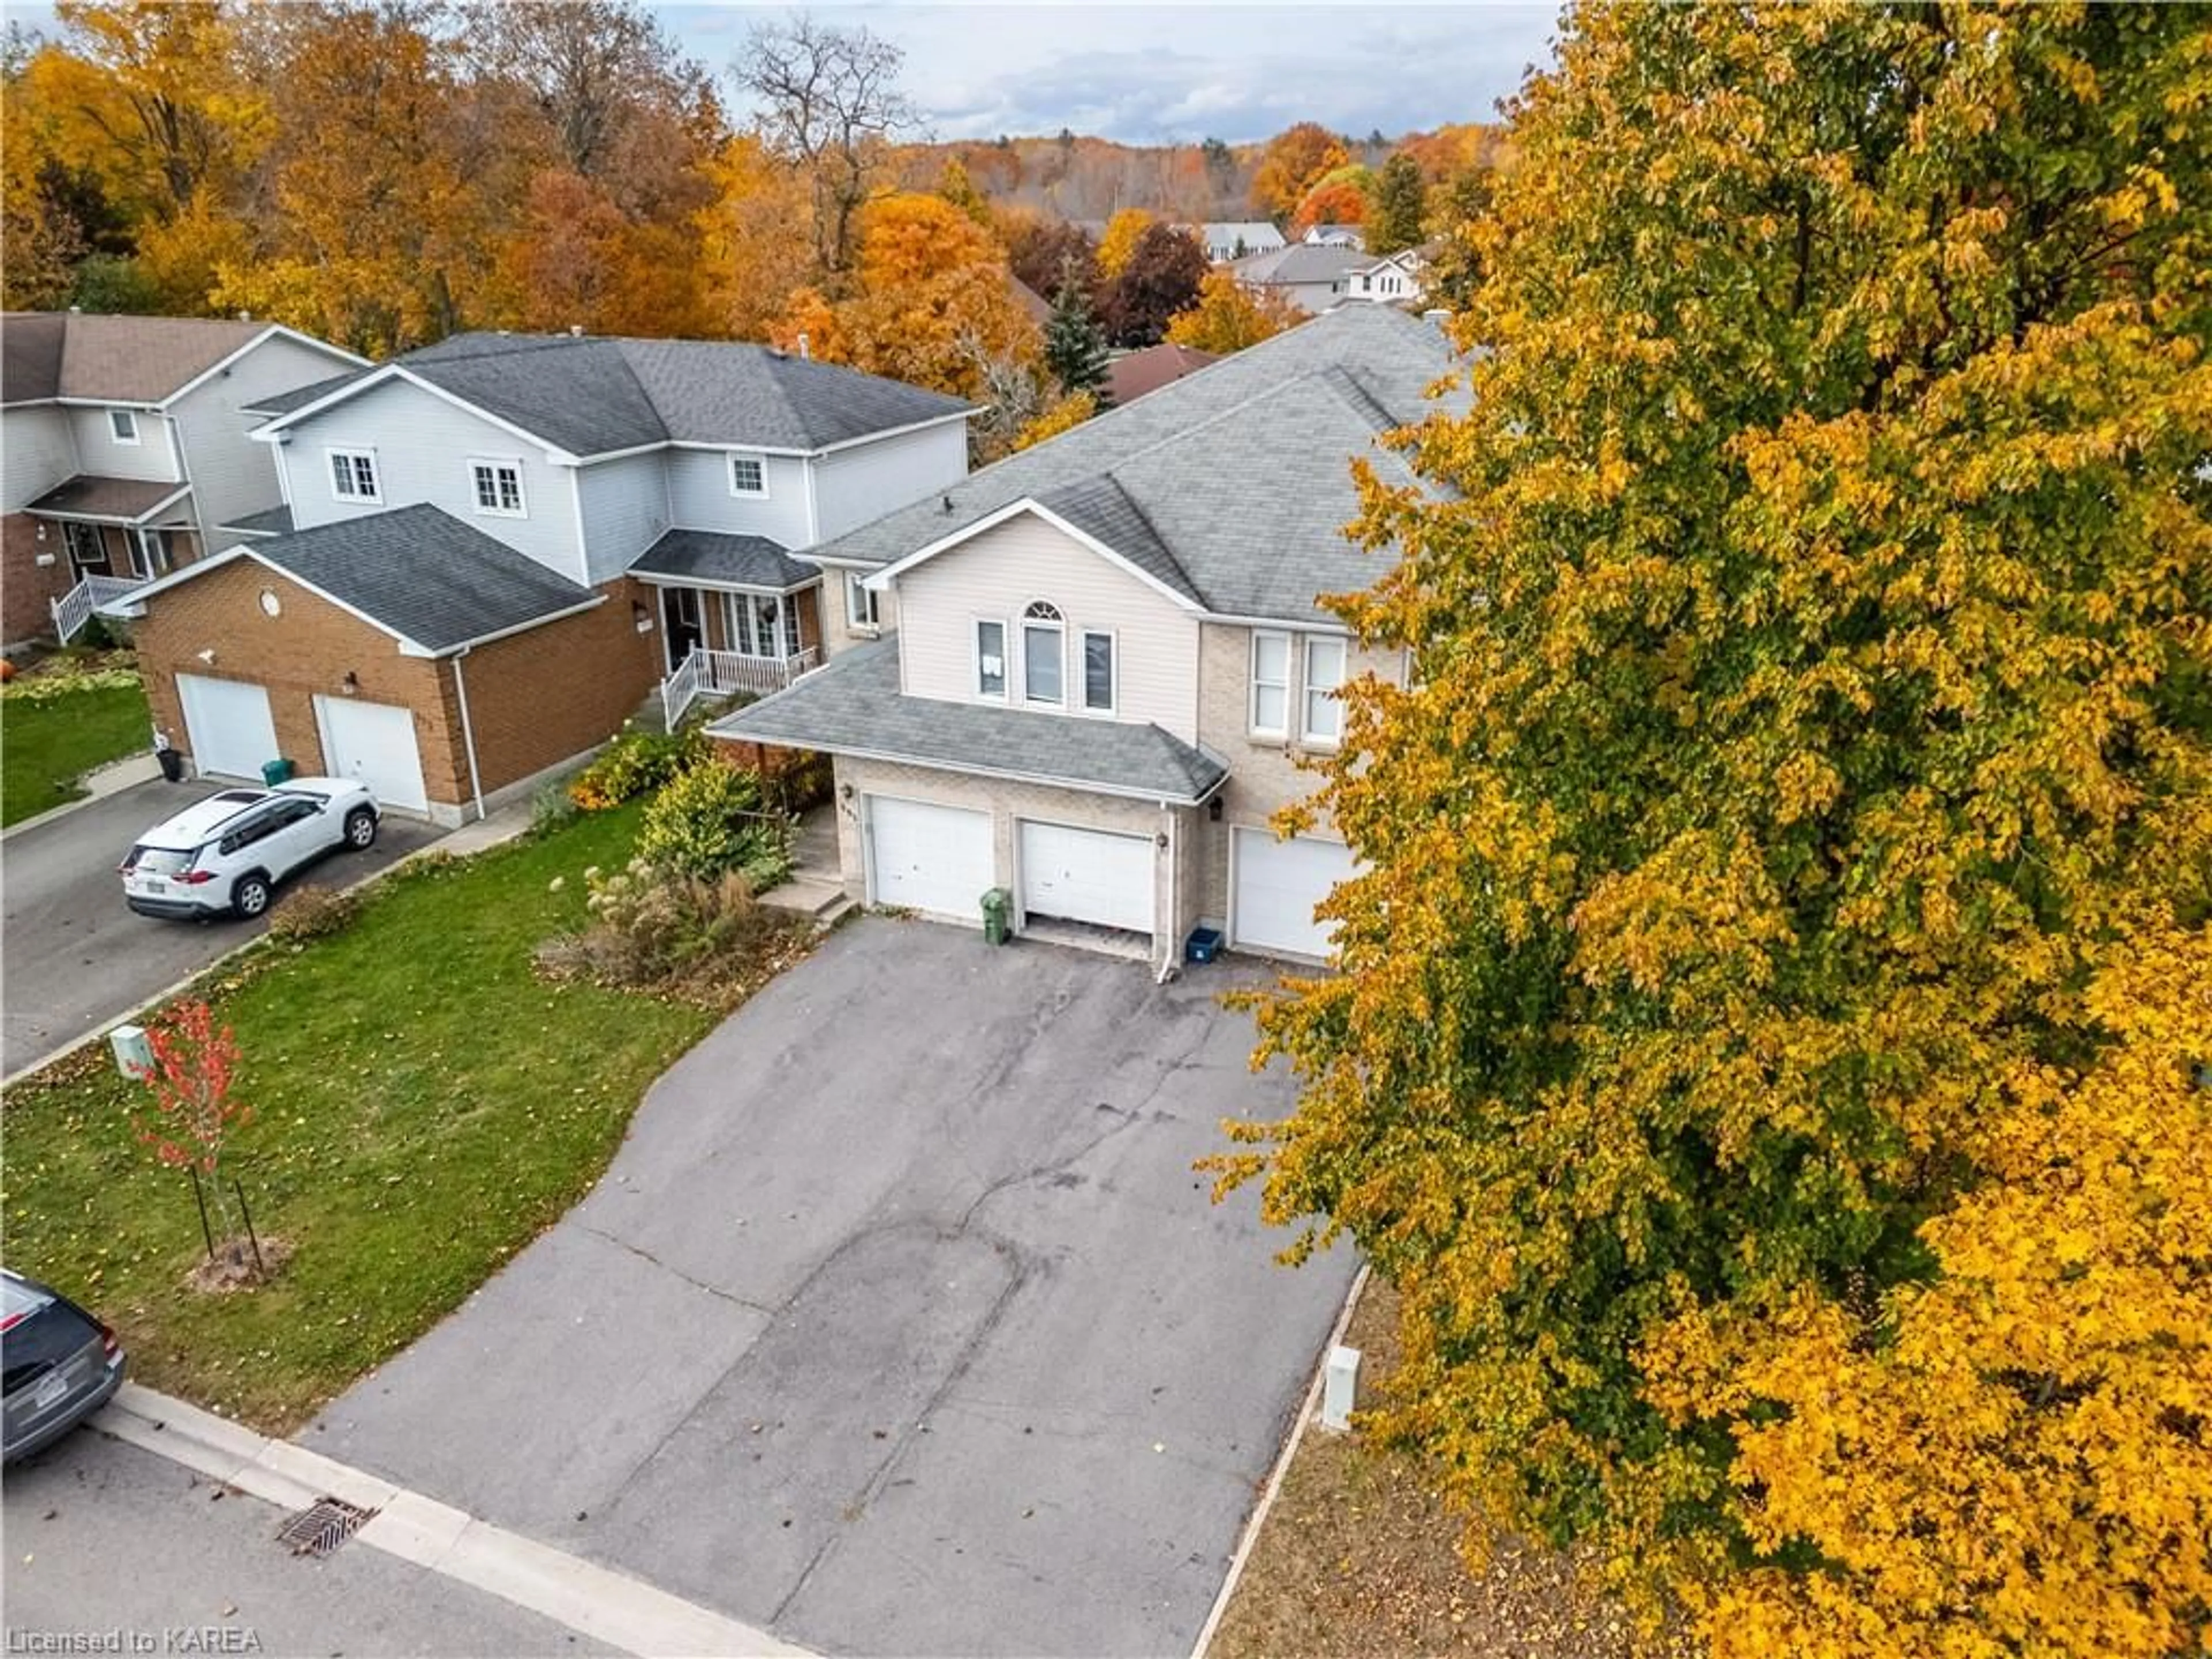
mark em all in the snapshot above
pixel 1319 277
pixel 1111 659
pixel 1334 236
pixel 123 446
pixel 1133 373
pixel 490 552
pixel 1237 238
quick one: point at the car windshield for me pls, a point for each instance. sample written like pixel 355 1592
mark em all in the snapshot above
pixel 30 1349
pixel 161 861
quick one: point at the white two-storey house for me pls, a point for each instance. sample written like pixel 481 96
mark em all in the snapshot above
pixel 1111 656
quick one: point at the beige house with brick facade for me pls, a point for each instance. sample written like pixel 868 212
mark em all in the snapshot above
pixel 1112 663
pixel 490 552
pixel 124 448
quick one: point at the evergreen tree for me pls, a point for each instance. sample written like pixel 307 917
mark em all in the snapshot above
pixel 1074 345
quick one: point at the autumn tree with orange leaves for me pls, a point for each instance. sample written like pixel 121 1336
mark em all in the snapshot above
pixel 1768 1052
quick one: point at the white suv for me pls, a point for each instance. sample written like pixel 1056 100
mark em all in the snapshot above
pixel 228 852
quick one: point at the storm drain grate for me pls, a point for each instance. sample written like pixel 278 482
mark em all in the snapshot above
pixel 323 1526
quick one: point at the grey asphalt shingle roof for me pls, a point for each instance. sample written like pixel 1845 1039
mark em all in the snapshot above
pixel 269 521
pixel 1301 262
pixel 1237 478
pixel 593 397
pixel 852 706
pixel 112 359
pixel 423 575
pixel 707 556
pixel 121 500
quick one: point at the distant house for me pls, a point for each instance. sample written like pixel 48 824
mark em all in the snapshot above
pixel 1318 277
pixel 1238 239
pixel 1336 236
pixel 1134 373
pixel 126 447
pixel 1395 279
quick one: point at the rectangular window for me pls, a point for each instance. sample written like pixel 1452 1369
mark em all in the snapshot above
pixel 124 425
pixel 1325 659
pixel 863 604
pixel 1271 685
pixel 1098 673
pixel 748 476
pixel 761 624
pixel 498 486
pixel 1041 653
pixel 991 659
pixel 353 475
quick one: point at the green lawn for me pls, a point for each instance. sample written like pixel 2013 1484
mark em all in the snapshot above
pixel 47 745
pixel 424 1108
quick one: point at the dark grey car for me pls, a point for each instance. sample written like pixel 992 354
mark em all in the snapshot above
pixel 61 1363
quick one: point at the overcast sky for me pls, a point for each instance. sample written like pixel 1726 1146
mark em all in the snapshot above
pixel 1149 73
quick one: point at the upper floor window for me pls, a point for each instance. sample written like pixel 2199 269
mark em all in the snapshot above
pixel 353 475
pixel 863 604
pixel 1043 646
pixel 1097 671
pixel 1271 685
pixel 991 659
pixel 498 486
pixel 748 474
pixel 1324 714
pixel 124 424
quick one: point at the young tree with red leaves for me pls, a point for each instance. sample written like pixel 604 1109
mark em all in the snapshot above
pixel 195 1063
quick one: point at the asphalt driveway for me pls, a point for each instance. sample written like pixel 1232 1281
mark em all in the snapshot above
pixel 76 959
pixel 900 1323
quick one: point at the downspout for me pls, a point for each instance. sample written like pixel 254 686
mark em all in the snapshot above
pixel 1167 967
pixel 468 735
pixel 185 472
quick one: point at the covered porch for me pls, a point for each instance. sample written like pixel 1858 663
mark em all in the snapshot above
pixel 117 534
pixel 736 614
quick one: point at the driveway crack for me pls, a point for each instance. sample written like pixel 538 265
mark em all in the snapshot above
pixel 695 1284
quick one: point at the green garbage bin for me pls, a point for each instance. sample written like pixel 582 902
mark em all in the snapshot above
pixel 276 772
pixel 998 905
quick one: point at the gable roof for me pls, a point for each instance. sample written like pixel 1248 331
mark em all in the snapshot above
pixel 1134 373
pixel 1236 479
pixel 724 559
pixel 851 706
pixel 590 396
pixel 97 358
pixel 1301 263
pixel 417 574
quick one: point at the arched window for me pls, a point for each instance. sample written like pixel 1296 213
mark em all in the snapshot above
pixel 1044 649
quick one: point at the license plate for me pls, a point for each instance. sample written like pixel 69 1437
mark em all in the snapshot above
pixel 50 1391
pixel 153 886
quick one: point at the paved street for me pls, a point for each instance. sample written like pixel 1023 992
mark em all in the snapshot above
pixel 75 958
pixel 104 1537
pixel 901 1323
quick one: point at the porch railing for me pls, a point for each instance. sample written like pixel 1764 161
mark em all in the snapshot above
pixel 707 673
pixel 75 608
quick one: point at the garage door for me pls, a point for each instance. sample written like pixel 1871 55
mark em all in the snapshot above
pixel 1087 875
pixel 929 858
pixel 1277 884
pixel 226 726
pixel 375 743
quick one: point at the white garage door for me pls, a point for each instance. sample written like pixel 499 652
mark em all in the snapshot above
pixel 375 743
pixel 226 726
pixel 929 858
pixel 1087 875
pixel 1277 884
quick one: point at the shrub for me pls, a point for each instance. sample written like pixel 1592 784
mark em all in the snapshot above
pixel 655 930
pixel 711 820
pixel 552 806
pixel 310 913
pixel 635 763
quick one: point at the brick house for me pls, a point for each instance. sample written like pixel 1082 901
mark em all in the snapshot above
pixel 1111 662
pixel 491 551
pixel 124 448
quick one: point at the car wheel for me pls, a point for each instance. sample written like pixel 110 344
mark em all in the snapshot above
pixel 249 895
pixel 361 829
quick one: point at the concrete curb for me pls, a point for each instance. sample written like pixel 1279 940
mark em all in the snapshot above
pixel 1307 1414
pixel 590 1600
pixel 472 838
pixel 101 782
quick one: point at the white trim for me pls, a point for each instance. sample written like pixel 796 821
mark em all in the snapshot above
pixel 262 338
pixel 353 452
pixel 1004 695
pixel 1307 736
pixel 992 520
pixel 710 585
pixel 855 586
pixel 1251 685
pixel 583 550
pixel 1057 624
pixel 468 734
pixel 1083 704
pixel 497 465
pixel 730 474
pixel 115 434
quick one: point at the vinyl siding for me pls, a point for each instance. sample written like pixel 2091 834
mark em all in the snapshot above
pixel 152 456
pixel 424 444
pixel 699 491
pixel 38 450
pixel 231 474
pixel 625 511
pixel 856 485
pixel 996 576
